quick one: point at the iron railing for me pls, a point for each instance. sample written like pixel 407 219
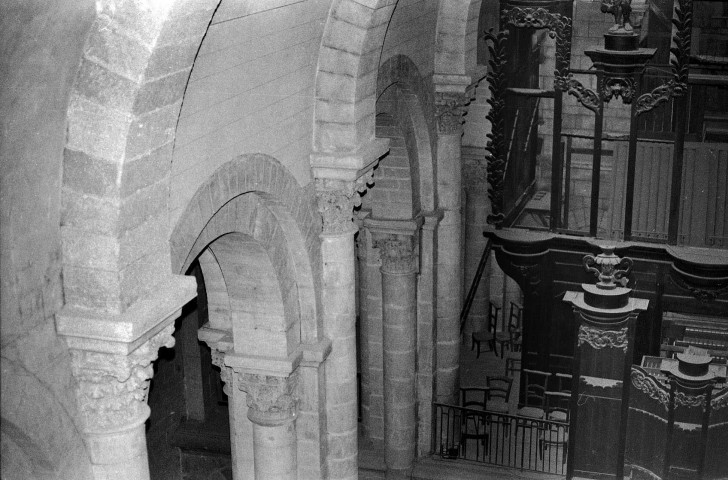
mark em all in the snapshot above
pixel 500 439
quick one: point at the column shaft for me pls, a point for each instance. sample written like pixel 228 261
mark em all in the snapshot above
pixel 400 316
pixel 275 451
pixel 337 251
pixel 476 214
pixel 449 268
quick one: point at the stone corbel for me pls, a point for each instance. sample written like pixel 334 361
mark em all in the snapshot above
pixel 450 102
pixel 220 342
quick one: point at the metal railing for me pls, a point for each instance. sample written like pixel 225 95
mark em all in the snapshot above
pixel 500 439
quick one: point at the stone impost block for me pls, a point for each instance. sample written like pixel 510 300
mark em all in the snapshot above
pixel 349 166
pixel 123 333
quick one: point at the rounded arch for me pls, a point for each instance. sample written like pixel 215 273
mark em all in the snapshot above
pixel 400 80
pixel 347 66
pixel 121 119
pixel 255 196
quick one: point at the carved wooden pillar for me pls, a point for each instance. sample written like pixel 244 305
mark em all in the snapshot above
pixel 605 316
pixel 450 101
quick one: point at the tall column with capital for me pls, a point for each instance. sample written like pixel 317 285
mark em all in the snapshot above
pixel 241 429
pixel 450 100
pixel 112 396
pixel 395 240
pixel 337 199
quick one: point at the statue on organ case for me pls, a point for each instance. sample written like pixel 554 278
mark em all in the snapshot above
pixel 621 9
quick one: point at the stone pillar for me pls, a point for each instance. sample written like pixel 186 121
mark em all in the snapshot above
pixel 337 199
pixel 111 361
pixel 241 429
pixel 112 396
pixel 606 316
pixel 272 408
pixel 340 176
pixel 450 100
pixel 370 331
pixel 477 208
pixel 396 242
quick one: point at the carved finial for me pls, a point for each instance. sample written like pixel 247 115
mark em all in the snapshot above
pixel 606 267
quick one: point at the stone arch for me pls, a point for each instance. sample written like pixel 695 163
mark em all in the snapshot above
pixel 256 196
pixel 400 77
pixel 347 68
pixel 456 36
pixel 121 119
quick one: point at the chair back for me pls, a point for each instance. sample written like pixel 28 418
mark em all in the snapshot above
pixel 493 311
pixel 474 397
pixel 536 385
pixel 515 319
pixel 563 382
pixel 499 387
pixel 558 402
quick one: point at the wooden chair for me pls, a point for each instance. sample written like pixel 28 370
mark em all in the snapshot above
pixel 536 384
pixel 513 331
pixel 499 392
pixel 554 435
pixel 488 335
pixel 473 425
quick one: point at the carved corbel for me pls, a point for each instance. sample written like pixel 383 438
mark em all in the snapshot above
pixel 112 388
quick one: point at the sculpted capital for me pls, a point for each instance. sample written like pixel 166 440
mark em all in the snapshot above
pixel 449 110
pixel 337 200
pixel 272 400
pixel 112 388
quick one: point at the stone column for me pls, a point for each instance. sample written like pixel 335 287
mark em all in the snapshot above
pixel 477 207
pixel 370 329
pixel 395 240
pixel 337 199
pixel 272 408
pixel 241 429
pixel 112 396
pixel 111 360
pixel 450 100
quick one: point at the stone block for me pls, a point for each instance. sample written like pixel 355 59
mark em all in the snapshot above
pixel 142 204
pixel 152 130
pixel 96 130
pixel 121 53
pixel 146 170
pixel 160 92
pixel 91 288
pixel 106 87
pixel 88 175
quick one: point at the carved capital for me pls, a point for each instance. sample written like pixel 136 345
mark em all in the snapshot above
pixel 449 110
pixel 226 373
pixel 398 254
pixel 112 389
pixel 336 202
pixel 272 400
pixel 365 248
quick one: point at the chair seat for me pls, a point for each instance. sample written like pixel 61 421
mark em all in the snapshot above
pixel 503 336
pixel 498 406
pixel 531 412
pixel 558 416
pixel 482 336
